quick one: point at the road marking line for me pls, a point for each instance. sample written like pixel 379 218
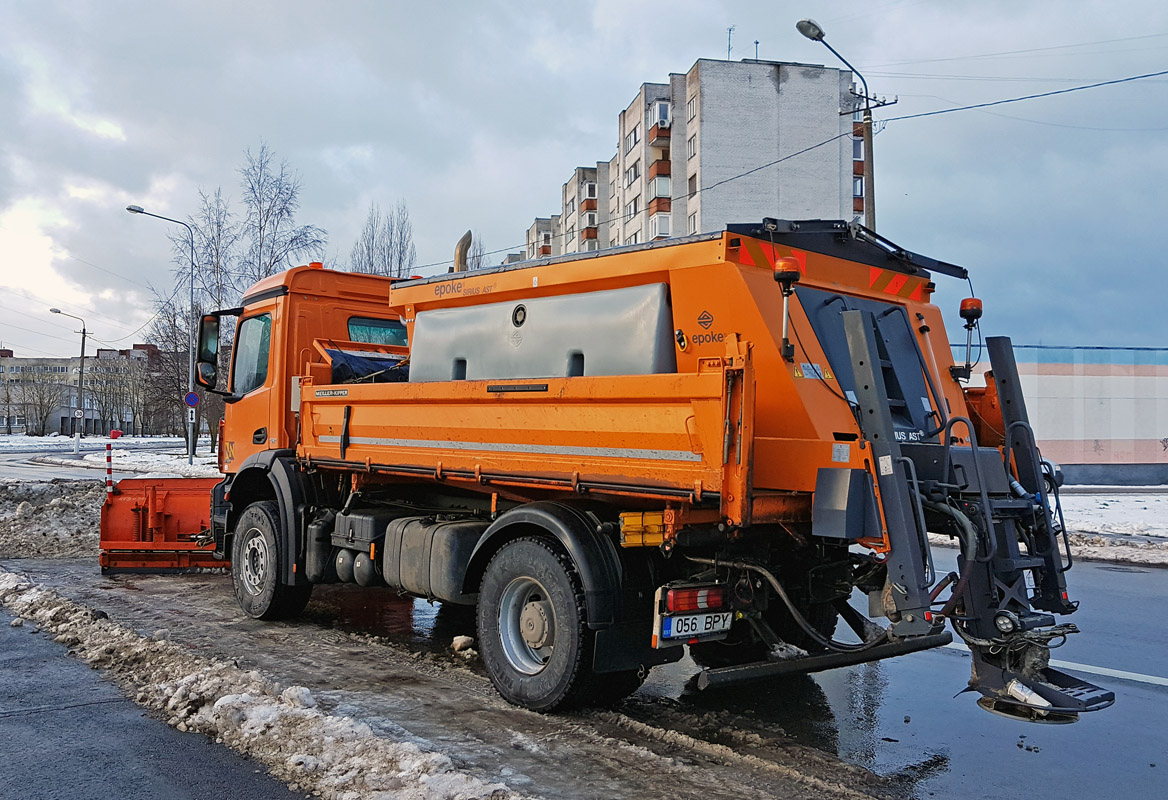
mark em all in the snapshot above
pixel 1154 680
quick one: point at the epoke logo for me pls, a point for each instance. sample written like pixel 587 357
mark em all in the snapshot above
pixel 705 319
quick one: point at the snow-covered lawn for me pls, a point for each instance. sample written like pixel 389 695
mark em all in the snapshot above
pixel 170 463
pixel 1114 513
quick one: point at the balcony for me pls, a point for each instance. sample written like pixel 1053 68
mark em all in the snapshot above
pixel 588 205
pixel 659 167
pixel 546 250
pixel 659 205
pixel 858 205
pixel 659 136
pixel 588 233
pixel 857 167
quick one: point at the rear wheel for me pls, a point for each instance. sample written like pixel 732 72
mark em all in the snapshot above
pixel 532 629
pixel 255 566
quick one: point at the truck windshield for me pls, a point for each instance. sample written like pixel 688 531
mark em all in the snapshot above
pixel 251 354
pixel 377 331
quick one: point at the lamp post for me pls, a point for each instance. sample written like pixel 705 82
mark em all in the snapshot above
pixel 191 332
pixel 79 418
pixel 811 29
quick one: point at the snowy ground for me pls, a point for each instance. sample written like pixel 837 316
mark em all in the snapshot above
pixel 157 464
pixel 21 443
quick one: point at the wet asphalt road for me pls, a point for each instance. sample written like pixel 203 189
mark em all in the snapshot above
pixel 949 747
pixel 22 466
pixel 65 732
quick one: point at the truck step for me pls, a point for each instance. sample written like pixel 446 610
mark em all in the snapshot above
pixel 725 676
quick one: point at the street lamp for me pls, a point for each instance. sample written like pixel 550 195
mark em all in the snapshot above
pixel 191 332
pixel 811 29
pixel 79 417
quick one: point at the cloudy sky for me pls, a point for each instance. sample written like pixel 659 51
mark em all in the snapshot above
pixel 474 113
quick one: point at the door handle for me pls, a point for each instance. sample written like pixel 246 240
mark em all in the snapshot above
pixel 260 436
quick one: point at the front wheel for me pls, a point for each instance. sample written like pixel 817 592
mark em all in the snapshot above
pixel 532 628
pixel 255 567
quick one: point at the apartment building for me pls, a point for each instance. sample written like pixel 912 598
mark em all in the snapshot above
pixel 544 237
pixel 724 142
pixel 582 215
pixel 40 395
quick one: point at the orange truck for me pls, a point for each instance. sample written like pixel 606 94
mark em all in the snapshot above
pixel 735 442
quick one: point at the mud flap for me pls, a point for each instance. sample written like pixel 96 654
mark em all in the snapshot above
pixel 158 525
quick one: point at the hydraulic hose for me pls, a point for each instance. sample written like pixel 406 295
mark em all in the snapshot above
pixel 969 540
pixel 800 620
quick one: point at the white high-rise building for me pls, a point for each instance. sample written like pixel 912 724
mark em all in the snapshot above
pixel 728 141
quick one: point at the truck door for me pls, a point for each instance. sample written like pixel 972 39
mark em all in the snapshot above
pixel 248 419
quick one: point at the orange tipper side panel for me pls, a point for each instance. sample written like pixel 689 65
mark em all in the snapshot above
pixel 693 431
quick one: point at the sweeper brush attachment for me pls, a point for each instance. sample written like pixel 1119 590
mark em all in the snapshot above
pixel 158 525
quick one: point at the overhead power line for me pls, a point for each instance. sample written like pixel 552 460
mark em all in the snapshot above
pixel 1029 96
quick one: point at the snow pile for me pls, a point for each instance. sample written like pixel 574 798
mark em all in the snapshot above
pixel 314 752
pixel 51 519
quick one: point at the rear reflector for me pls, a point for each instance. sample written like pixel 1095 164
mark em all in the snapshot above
pixel 695 599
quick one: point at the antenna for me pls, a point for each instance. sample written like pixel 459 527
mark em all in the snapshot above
pixel 729 36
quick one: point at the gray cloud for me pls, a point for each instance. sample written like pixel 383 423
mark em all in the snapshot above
pixel 475 113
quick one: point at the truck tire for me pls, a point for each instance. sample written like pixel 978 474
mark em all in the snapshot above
pixel 255 567
pixel 741 647
pixel 531 624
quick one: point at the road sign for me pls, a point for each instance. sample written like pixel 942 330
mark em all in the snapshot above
pixel 78 413
pixel 191 415
pixel 191 399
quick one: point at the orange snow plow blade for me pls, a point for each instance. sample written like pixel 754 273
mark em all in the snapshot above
pixel 153 525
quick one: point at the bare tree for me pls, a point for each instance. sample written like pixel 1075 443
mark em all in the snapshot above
pixel 218 280
pixel 476 258
pixel 9 396
pixel 385 245
pixel 272 240
pixel 42 391
pixel 169 384
pixel 107 381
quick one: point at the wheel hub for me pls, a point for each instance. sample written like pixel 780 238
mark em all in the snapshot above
pixel 534 625
pixel 255 564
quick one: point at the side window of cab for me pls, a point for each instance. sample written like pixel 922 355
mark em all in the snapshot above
pixel 253 346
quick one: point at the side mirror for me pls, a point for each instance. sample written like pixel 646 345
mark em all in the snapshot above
pixel 207 374
pixel 209 338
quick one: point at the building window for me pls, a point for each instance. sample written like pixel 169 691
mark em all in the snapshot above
pixel 547 238
pixel 693 185
pixel 589 190
pixel 591 245
pixel 691 108
pixel 612 188
pixel 633 208
pixel 693 222
pixel 571 233
pixel 632 138
pixel 659 187
pixel 858 186
pixel 571 205
pixel 658 226
pixel 857 149
pixel 634 238
pixel 632 173
pixel 589 220
pixel 661 113
pixel 692 145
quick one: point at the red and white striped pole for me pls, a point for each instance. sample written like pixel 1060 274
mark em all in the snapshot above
pixel 109 462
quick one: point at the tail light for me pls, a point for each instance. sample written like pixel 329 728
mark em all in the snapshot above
pixel 699 598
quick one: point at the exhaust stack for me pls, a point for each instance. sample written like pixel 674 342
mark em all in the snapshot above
pixel 460 251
